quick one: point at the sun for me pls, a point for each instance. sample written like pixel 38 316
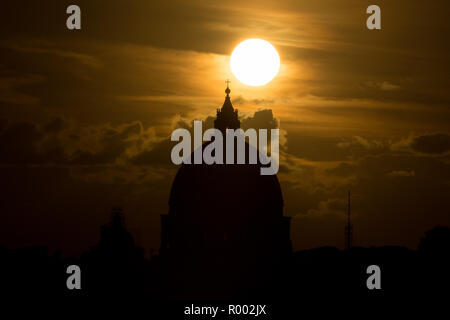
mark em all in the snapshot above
pixel 255 62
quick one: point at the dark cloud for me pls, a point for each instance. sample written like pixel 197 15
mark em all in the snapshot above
pixel 158 156
pixel 60 142
pixel 315 148
pixel 55 142
pixel 18 144
pixel 54 126
pixel 343 169
pixel 262 119
pixel 434 144
pixel 254 102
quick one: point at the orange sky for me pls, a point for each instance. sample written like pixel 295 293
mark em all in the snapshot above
pixel 85 115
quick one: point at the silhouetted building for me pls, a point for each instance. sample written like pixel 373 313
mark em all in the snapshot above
pixel 116 263
pixel 115 237
pixel 225 221
pixel 436 242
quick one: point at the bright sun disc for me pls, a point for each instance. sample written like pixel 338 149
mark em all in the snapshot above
pixel 255 62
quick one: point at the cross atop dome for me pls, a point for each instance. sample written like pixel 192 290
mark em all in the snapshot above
pixel 227 90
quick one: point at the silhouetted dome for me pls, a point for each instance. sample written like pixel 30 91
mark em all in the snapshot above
pixel 225 222
pixel 226 207
pixel 225 191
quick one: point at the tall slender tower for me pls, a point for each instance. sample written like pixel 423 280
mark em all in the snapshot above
pixel 348 227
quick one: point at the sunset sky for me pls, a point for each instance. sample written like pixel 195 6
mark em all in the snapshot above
pixel 86 115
